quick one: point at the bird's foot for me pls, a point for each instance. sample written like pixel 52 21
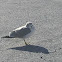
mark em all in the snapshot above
pixel 27 43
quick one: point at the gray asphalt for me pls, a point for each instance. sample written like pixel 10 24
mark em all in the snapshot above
pixel 45 43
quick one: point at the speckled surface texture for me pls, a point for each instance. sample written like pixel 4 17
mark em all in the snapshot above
pixel 45 43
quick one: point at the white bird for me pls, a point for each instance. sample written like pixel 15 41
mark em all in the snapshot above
pixel 22 32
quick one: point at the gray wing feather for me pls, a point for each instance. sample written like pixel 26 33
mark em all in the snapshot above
pixel 20 33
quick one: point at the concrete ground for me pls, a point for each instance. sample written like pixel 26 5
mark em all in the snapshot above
pixel 45 43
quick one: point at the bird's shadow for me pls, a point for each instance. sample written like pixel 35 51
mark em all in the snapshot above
pixel 32 48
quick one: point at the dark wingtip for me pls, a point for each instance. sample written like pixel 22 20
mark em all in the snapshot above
pixel 6 37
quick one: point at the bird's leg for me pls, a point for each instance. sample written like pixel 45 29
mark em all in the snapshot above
pixel 25 42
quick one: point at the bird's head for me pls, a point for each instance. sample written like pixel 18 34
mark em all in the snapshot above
pixel 29 25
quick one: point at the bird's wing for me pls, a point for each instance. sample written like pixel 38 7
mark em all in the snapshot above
pixel 20 32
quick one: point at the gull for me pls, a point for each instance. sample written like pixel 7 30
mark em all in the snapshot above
pixel 22 32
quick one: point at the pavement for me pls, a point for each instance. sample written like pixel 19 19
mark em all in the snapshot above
pixel 45 43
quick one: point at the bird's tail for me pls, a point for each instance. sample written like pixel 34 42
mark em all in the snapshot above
pixel 6 37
